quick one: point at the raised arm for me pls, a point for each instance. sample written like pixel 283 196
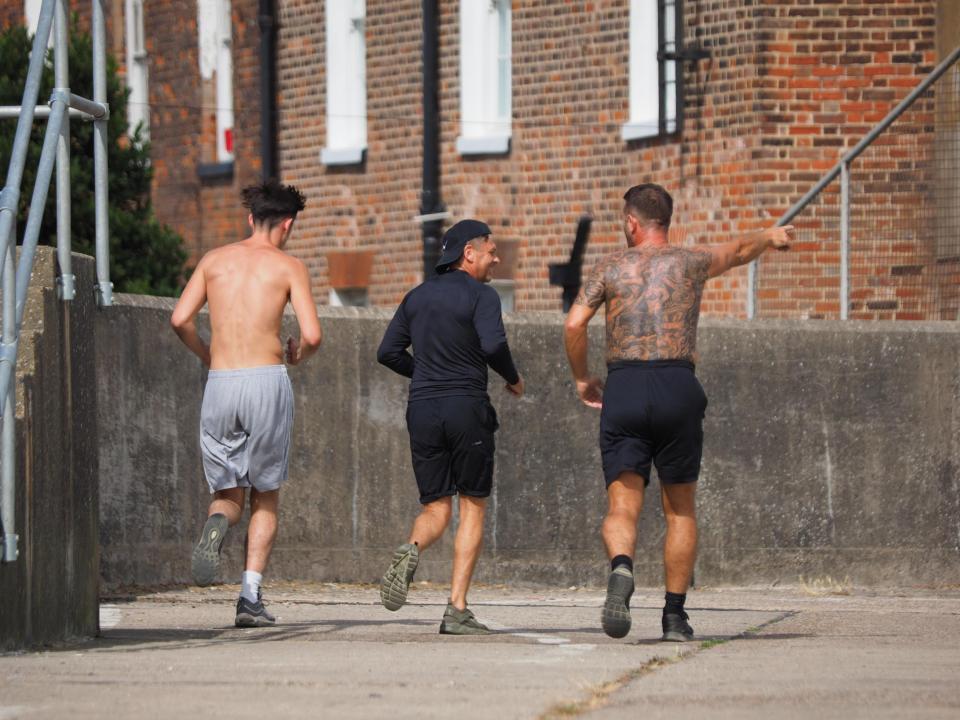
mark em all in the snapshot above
pixel 749 247
pixel 301 298
pixel 588 301
pixel 183 319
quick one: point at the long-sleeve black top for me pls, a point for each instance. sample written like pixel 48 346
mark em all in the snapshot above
pixel 455 326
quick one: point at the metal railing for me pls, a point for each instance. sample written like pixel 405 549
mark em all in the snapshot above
pixel 55 152
pixel 878 238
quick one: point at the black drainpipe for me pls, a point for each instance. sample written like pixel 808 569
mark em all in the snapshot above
pixel 430 194
pixel 268 89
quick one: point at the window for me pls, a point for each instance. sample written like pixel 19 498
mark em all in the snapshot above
pixel 654 78
pixel 346 72
pixel 349 297
pixel 138 105
pixel 485 77
pixel 214 25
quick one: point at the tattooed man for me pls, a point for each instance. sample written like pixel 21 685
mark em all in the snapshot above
pixel 652 406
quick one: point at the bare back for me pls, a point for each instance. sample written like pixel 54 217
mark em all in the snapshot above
pixel 652 298
pixel 248 286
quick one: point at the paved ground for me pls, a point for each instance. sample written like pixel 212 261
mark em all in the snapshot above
pixel 825 651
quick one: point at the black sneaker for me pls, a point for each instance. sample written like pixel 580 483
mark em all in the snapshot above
pixel 676 628
pixel 615 617
pixel 206 555
pixel 253 614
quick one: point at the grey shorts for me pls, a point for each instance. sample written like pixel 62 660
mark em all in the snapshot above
pixel 246 421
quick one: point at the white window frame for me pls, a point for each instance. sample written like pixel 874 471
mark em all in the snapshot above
pixel 486 82
pixel 215 32
pixel 653 82
pixel 349 297
pixel 346 76
pixel 138 104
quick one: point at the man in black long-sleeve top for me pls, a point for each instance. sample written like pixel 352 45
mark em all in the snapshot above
pixel 453 321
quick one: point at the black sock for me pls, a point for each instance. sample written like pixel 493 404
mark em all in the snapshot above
pixel 674 603
pixel 622 560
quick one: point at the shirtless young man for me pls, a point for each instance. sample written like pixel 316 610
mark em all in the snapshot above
pixel 247 413
pixel 652 405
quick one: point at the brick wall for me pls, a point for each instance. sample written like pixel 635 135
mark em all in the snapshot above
pixel 206 212
pixel 788 86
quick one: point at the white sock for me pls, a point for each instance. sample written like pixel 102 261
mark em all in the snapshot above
pixel 251 585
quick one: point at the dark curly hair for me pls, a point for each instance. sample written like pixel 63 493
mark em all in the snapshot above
pixel 272 203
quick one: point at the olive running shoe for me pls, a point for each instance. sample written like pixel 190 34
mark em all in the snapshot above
pixel 615 617
pixel 206 555
pixel 461 622
pixel 676 628
pixel 396 581
pixel 253 614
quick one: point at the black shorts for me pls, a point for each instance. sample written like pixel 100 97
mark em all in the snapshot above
pixel 451 442
pixel 652 413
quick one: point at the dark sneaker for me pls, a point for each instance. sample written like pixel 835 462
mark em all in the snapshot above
pixel 396 581
pixel 206 555
pixel 461 622
pixel 676 628
pixel 615 617
pixel 253 614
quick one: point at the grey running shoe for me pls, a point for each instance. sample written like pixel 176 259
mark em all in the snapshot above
pixel 206 555
pixel 461 622
pixel 396 581
pixel 253 614
pixel 615 617
pixel 676 628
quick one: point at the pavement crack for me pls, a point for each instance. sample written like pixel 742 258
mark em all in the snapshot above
pixel 599 695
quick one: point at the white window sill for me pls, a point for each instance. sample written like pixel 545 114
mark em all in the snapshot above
pixel 342 156
pixel 492 145
pixel 638 131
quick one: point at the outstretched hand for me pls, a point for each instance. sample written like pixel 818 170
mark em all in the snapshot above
pixel 780 237
pixel 591 392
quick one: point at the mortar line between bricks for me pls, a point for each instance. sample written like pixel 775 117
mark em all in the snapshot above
pixel 600 694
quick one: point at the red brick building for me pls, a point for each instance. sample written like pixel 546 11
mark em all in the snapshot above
pixel 549 110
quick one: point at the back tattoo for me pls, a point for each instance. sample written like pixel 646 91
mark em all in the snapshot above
pixel 652 298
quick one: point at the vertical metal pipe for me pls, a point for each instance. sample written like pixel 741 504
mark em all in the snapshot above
pixel 268 89
pixel 11 191
pixel 845 241
pixel 8 433
pixel 104 286
pixel 66 280
pixel 430 194
pixel 752 290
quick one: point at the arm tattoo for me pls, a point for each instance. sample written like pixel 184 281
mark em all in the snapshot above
pixel 593 292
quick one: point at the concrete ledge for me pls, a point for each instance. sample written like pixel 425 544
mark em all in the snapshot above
pixel 831 449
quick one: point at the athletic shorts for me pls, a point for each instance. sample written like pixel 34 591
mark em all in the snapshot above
pixel 451 442
pixel 246 421
pixel 652 414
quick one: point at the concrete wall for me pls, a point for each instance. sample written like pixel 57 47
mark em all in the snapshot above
pixel 832 449
pixel 50 593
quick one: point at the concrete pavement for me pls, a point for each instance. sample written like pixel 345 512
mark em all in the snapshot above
pixel 821 651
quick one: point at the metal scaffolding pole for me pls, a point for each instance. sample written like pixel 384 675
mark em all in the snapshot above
pixel 9 200
pixel 104 286
pixel 66 281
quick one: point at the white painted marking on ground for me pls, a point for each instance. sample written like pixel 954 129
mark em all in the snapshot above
pixel 109 616
pixel 11 712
